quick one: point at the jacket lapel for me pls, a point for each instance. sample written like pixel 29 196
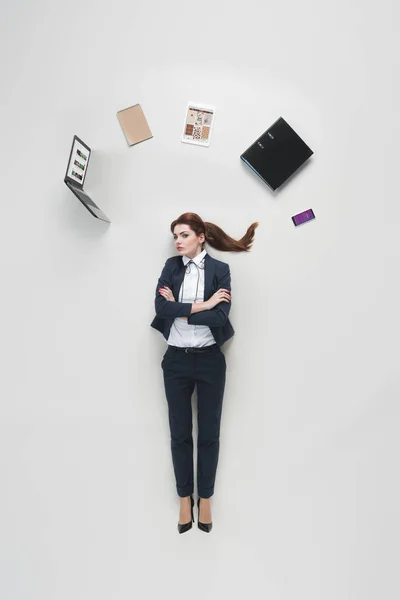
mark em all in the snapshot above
pixel 178 278
pixel 209 266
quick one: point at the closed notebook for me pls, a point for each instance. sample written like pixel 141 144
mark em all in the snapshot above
pixel 134 124
pixel 277 154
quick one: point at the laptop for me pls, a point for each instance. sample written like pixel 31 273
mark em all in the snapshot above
pixel 75 176
pixel 277 154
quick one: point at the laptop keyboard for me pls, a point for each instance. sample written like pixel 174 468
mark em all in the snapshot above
pixel 81 194
pixel 89 202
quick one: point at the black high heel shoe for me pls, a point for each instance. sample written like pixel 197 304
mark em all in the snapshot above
pixel 203 526
pixel 182 527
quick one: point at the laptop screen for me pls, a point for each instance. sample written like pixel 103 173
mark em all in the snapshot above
pixel 78 162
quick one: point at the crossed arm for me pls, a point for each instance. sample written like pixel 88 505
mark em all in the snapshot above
pixel 197 313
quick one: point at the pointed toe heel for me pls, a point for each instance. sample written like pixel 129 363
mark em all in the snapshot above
pixel 183 527
pixel 206 527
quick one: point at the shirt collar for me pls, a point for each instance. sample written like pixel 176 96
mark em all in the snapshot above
pixel 197 259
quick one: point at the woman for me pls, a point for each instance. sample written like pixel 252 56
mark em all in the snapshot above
pixel 193 300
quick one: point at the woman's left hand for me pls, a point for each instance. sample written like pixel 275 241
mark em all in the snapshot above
pixel 167 293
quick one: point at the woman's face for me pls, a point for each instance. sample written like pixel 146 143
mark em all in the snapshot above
pixel 187 242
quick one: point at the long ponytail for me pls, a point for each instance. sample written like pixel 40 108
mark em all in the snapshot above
pixel 214 235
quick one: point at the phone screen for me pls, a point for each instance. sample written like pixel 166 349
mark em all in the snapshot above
pixel 303 217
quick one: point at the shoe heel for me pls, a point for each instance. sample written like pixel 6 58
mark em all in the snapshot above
pixel 206 527
pixel 183 527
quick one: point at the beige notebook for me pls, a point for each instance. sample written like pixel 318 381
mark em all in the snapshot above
pixel 134 124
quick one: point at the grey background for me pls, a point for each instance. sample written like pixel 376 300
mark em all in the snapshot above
pixel 307 485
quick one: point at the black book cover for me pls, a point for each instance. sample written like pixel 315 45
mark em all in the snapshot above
pixel 277 154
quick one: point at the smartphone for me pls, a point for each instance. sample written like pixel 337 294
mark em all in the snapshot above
pixel 303 217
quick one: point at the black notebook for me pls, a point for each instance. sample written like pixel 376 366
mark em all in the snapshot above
pixel 277 154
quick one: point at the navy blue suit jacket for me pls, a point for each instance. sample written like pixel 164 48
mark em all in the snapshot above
pixel 216 275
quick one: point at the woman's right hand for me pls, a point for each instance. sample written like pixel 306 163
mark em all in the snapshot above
pixel 221 295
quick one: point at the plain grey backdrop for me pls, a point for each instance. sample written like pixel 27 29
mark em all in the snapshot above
pixel 307 484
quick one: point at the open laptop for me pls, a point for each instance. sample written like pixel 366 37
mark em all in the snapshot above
pixel 75 176
pixel 277 154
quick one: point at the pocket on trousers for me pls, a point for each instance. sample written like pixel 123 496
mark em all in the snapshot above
pixel 164 357
pixel 223 357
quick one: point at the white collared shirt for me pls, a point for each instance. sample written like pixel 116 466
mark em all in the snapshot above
pixel 192 290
